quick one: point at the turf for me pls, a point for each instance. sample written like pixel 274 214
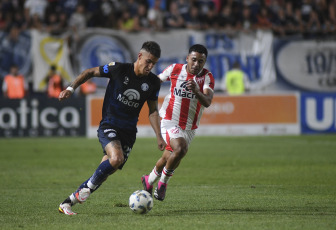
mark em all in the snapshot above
pixel 286 182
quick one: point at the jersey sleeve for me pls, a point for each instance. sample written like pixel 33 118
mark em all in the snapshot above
pixel 106 70
pixel 165 75
pixel 209 82
pixel 155 94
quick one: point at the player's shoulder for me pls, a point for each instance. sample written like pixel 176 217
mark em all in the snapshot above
pixel 206 72
pixel 153 78
pixel 121 65
pixel 173 66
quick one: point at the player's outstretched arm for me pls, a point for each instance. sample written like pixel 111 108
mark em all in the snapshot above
pixel 154 120
pixel 80 79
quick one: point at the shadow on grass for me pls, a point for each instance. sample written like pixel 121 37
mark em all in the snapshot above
pixel 303 211
pixel 284 211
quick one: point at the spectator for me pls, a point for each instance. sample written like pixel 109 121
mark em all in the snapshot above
pixel 54 82
pixel 36 23
pixel 35 8
pixel 183 7
pixel 226 20
pixel 173 18
pixel 330 23
pixel 14 85
pixel 235 81
pixel 254 6
pixel 104 16
pixel 245 22
pixel 53 25
pixel 34 11
pixel 141 21
pixel 332 12
pixel 193 20
pixel 281 24
pixel 306 9
pixel 293 18
pixel 155 16
pixel 131 6
pixel 19 20
pixel 263 19
pixel 62 22
pixel 313 25
pixel 77 21
pixel 126 21
pixel 3 21
pixel 67 6
pixel 210 19
pixel 89 87
pixel 205 5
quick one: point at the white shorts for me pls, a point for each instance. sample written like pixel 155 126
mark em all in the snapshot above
pixel 171 131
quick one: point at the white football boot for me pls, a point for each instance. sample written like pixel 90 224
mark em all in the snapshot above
pixel 66 209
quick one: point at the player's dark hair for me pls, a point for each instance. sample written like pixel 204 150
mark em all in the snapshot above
pixel 199 49
pixel 152 47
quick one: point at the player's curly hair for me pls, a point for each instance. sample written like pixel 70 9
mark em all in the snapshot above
pixel 152 47
pixel 199 49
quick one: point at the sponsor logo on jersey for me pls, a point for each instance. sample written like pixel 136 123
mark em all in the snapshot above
pixel 184 92
pixel 184 85
pixel 144 87
pixel 110 133
pixel 105 68
pixel 126 80
pixel 111 63
pixel 108 130
pixel 128 98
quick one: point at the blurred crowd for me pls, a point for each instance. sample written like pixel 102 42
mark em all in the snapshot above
pixel 284 17
pixel 304 18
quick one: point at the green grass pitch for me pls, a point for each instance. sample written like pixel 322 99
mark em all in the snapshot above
pixel 277 182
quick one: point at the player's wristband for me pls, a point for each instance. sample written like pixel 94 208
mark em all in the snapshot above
pixel 70 89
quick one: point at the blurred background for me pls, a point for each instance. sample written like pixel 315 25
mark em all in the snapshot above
pixel 274 61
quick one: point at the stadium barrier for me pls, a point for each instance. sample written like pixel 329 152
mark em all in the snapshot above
pixel 276 114
pixel 253 114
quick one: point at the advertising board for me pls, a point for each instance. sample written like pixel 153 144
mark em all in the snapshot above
pixel 41 116
pixel 318 113
pixel 227 115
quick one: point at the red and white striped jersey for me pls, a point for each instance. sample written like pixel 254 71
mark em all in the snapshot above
pixel 181 106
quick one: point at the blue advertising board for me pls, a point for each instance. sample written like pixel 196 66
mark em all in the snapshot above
pixel 318 113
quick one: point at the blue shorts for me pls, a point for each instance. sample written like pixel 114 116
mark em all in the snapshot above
pixel 107 133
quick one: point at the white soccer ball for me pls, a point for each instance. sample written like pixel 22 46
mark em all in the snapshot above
pixel 141 202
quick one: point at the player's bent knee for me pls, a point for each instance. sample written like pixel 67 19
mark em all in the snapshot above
pixel 116 161
pixel 180 151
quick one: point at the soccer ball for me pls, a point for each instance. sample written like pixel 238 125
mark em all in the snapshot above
pixel 141 202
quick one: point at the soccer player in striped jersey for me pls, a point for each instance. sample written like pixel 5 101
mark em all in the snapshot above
pixel 130 86
pixel 191 89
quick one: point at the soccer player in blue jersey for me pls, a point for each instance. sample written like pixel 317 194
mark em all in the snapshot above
pixel 129 87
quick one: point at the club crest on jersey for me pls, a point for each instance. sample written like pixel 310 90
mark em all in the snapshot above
pixel 175 130
pixel 144 87
pixel 129 97
pixel 184 92
pixel 200 80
